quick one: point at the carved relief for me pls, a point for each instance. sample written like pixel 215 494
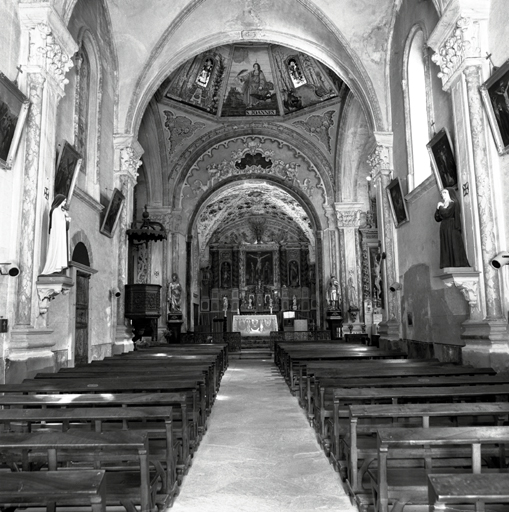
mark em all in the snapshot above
pixel 129 162
pixel 180 128
pixel 55 60
pixel 319 126
pixel 348 219
pixel 462 43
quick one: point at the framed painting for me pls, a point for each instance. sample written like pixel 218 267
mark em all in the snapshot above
pixel 112 213
pixel 397 202
pixel 68 167
pixel 442 160
pixel 495 95
pixel 259 268
pixel 13 113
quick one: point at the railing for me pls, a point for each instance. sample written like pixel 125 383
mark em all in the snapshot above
pixel 232 338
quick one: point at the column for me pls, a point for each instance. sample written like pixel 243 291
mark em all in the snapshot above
pixel 381 165
pixel 348 218
pixel 460 41
pixel 46 51
pixel 127 160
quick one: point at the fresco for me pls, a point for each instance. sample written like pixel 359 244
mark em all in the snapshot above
pixel 263 80
pixel 198 81
pixel 250 88
pixel 302 81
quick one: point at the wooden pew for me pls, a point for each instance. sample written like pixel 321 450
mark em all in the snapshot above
pixel 467 489
pixel 177 401
pixel 157 422
pixel 352 396
pixel 47 488
pixel 405 486
pixel 360 445
pixel 130 487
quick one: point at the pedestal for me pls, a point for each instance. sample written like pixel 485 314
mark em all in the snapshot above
pixel 335 321
pixel 174 323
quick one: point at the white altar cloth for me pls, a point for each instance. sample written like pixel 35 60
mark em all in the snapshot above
pixel 254 325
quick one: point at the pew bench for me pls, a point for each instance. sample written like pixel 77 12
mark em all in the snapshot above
pixel 127 485
pixel 359 447
pixel 467 489
pixel 400 487
pixel 50 488
pixel 156 421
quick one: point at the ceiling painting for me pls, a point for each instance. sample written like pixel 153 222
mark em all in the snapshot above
pixel 252 81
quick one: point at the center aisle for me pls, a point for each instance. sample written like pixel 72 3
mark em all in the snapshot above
pixel 259 453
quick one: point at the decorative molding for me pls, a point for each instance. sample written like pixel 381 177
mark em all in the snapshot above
pixel 129 162
pixel 88 200
pixel 467 282
pixel 180 128
pixel 348 215
pixel 319 126
pixel 48 287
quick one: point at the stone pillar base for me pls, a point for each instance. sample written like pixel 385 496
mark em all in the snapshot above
pixel 486 344
pixel 123 340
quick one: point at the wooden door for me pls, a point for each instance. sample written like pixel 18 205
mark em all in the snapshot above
pixel 81 345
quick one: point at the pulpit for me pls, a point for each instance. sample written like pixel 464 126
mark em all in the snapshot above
pixel 143 307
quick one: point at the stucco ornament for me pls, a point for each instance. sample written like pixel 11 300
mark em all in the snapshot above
pixel 462 43
pixel 180 128
pixel 129 162
pixel 56 62
pixel 319 126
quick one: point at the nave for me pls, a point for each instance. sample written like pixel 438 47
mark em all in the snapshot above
pixel 259 452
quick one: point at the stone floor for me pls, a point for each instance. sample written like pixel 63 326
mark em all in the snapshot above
pixel 259 453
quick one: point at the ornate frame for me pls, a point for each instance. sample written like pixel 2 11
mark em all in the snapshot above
pixel 113 212
pixel 444 167
pixel 499 126
pixel 68 167
pixel 13 105
pixel 397 202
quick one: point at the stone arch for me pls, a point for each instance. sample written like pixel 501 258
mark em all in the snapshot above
pixel 341 60
pixel 225 133
pixel 81 237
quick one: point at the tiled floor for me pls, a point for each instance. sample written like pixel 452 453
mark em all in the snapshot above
pixel 259 453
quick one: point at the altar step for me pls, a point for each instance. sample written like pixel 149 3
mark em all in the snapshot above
pixel 252 353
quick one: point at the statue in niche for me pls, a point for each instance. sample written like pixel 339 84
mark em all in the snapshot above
pixel 57 258
pixel 225 275
pixel 333 293
pixel 175 294
pixel 448 213
pixel 293 274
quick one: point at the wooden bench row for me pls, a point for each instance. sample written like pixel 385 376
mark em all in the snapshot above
pixel 138 417
pixel 388 425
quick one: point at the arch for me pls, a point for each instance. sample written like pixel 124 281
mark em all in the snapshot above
pixel 80 254
pixel 341 60
pixel 88 43
pixel 80 237
pixel 225 133
pixel 417 97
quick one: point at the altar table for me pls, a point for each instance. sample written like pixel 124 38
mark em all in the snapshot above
pixel 254 325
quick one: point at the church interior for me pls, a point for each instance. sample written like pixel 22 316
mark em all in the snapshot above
pixel 301 190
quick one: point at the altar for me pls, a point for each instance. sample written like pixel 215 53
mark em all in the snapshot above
pixel 254 325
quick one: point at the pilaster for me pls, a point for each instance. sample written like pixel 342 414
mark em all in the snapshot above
pixel 381 165
pixel 45 57
pixel 460 41
pixel 127 160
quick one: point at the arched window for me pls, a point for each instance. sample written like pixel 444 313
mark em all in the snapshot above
pixel 417 92
pixel 87 112
pixel 82 105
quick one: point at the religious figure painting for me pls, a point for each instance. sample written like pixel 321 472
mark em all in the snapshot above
pixel 13 112
pixel 68 166
pixel 259 268
pixel 442 160
pixel 495 95
pixel 397 202
pixel 112 213
pixel 250 88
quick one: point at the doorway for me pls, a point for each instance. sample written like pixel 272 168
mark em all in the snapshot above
pixel 81 325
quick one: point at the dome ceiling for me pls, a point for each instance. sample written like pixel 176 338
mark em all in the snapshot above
pixel 252 80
